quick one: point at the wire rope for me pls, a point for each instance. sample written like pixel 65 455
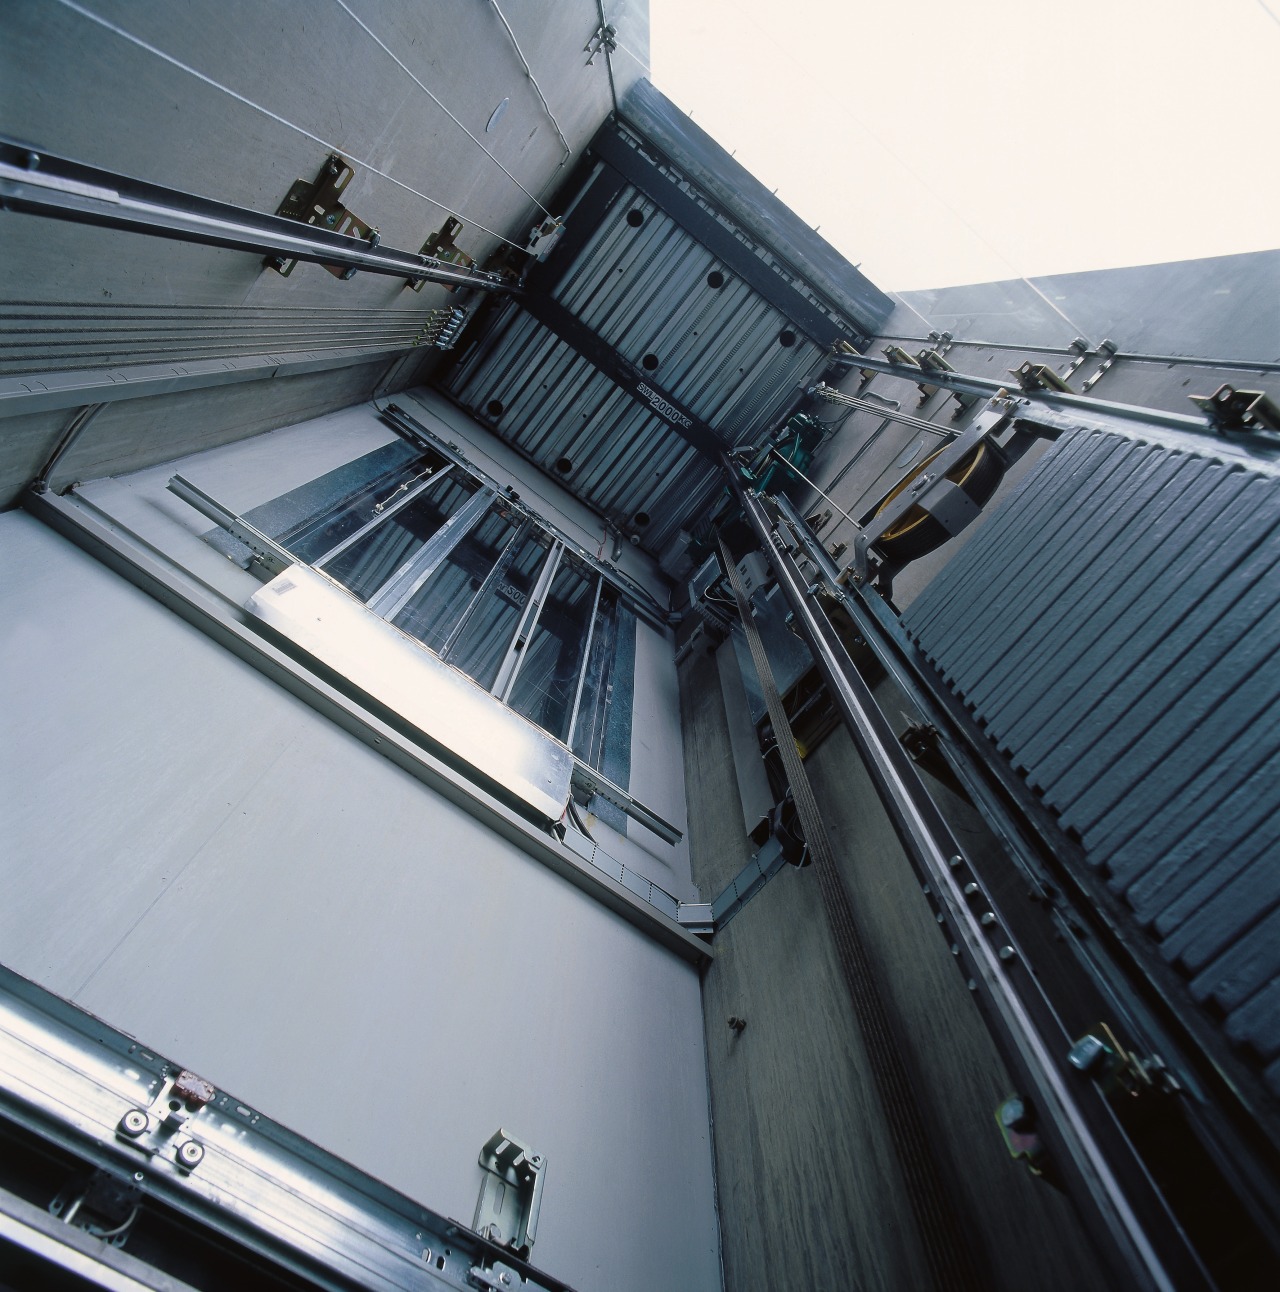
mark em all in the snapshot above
pixel 266 112
pixel 478 142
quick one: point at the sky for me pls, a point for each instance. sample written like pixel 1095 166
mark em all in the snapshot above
pixel 939 142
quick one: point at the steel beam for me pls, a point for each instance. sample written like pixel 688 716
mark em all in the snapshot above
pixel 961 383
pixel 623 373
pixel 216 1167
pixel 40 183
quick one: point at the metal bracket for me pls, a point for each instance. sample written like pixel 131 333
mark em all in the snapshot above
pixel 266 551
pixel 1098 1054
pixel 1017 1121
pixel 604 38
pixel 316 202
pixel 1235 410
pixel 441 246
pixel 1108 349
pixel 510 1193
pixel 1039 376
pixel 105 1205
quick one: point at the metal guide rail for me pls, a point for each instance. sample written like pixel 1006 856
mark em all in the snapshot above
pixel 1082 1135
pixel 42 183
pixel 1127 1108
pixel 154 1150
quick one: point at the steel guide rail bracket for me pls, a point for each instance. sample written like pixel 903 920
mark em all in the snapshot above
pixel 41 183
pixel 1082 1132
pixel 179 1144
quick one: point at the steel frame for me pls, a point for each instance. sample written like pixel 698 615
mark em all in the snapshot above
pixel 94 1093
pixel 148 569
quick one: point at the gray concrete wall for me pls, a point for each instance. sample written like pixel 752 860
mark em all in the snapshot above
pixel 810 1186
pixel 201 860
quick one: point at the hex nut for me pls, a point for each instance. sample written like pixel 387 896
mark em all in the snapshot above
pixel 133 1123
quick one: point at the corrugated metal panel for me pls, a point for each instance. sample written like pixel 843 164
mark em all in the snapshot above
pixel 663 303
pixel 645 290
pixel 555 405
pixel 1114 626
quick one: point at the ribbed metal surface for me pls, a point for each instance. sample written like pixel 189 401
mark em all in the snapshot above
pixel 1114 626
pixel 648 290
pixel 43 337
pixel 557 405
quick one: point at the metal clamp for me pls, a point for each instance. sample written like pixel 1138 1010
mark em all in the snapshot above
pixel 316 202
pixel 1109 350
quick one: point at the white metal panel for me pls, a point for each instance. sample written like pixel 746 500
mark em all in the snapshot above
pixel 438 700
pixel 208 864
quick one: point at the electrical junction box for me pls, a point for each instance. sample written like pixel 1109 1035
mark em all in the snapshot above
pixel 753 570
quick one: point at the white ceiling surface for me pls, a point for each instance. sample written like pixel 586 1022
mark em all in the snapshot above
pixel 950 143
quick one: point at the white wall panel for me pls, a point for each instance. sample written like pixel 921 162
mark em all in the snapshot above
pixel 206 863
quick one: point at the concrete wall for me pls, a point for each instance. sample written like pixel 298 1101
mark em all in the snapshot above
pixel 204 862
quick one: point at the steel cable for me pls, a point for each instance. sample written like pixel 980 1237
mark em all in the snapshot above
pixel 266 112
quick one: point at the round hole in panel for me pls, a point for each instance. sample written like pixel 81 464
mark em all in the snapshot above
pixel 715 280
pixel 786 338
pixel 649 362
pixel 635 217
pixel 640 519
pixel 564 466
pixel 495 408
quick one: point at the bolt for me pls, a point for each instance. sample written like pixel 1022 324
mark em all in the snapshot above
pixel 331 220
pixel 133 1123
pixel 1006 953
pixel 349 275
pixel 1015 1114
pixel 987 918
pixel 1088 1054
pixel 138 1177
pixel 953 862
pixel 190 1155
pixel 33 161
pixel 737 1023
pixel 971 890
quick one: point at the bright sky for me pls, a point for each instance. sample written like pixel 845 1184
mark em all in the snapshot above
pixel 939 142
